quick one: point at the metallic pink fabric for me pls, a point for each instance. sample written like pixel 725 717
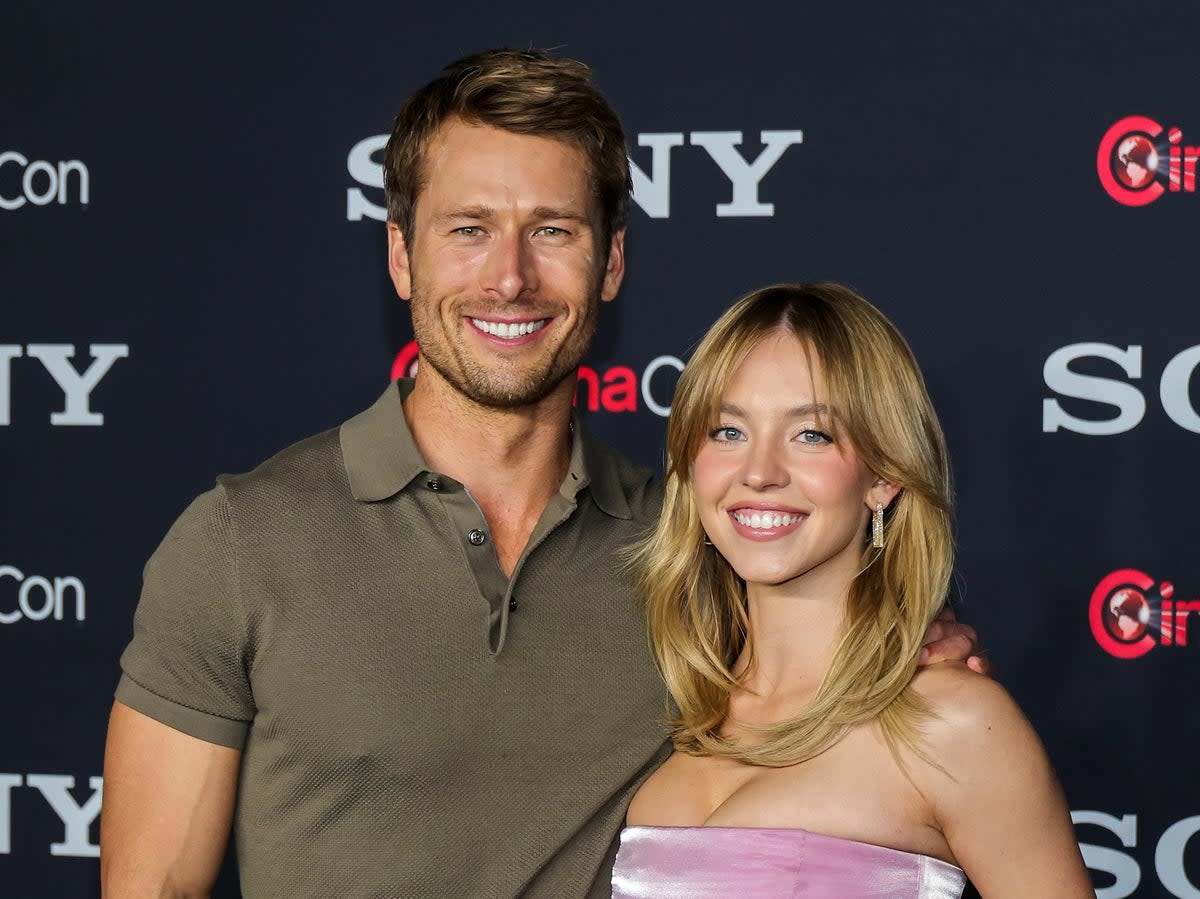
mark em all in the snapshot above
pixel 771 863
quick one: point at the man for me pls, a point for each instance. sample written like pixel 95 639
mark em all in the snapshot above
pixel 404 654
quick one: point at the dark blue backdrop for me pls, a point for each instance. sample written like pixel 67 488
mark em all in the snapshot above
pixel 180 208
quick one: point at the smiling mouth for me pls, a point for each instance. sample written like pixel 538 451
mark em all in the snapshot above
pixel 509 330
pixel 765 520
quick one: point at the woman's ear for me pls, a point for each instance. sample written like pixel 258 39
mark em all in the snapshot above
pixel 882 491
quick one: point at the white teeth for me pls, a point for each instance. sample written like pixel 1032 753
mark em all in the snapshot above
pixel 508 330
pixel 765 520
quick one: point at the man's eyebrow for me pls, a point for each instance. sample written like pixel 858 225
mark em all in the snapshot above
pixel 466 212
pixel 565 214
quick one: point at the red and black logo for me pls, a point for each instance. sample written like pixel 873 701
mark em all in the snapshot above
pixel 405 363
pixel 1133 161
pixel 613 389
pixel 1130 614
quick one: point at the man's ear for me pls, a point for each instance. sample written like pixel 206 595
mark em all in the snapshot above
pixel 614 268
pixel 398 264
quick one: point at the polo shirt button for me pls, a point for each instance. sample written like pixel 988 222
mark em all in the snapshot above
pixel 477 537
pixel 512 604
pixel 433 484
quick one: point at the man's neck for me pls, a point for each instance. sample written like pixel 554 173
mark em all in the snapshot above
pixel 512 460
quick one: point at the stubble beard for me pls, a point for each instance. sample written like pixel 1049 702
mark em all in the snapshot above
pixel 488 387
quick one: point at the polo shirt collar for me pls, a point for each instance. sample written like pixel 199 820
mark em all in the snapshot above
pixel 381 457
pixel 378 449
pixel 598 468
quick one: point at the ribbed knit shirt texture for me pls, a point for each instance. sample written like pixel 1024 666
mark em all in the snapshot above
pixel 414 723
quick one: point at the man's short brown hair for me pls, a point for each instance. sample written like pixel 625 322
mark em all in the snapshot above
pixel 522 91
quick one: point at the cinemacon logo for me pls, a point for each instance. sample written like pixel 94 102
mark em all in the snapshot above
pixel 651 192
pixel 1126 398
pixel 37 598
pixel 614 389
pixel 41 183
pixel 1130 614
pixel 1132 161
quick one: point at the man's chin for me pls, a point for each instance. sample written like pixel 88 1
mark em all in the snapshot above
pixel 508 393
pixel 490 388
pixel 509 396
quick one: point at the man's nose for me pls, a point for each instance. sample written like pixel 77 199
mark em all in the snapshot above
pixel 509 269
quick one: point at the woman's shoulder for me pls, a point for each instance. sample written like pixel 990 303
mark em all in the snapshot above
pixel 993 793
pixel 961 697
pixel 975 725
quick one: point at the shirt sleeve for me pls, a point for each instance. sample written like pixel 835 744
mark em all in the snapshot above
pixel 188 661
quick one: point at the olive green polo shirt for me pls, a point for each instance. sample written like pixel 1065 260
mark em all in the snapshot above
pixel 413 722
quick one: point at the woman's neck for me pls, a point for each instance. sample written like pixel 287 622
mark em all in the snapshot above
pixel 794 631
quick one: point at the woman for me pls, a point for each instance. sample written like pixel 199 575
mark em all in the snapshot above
pixel 803 549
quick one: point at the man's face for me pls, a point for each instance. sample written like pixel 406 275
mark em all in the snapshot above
pixel 502 267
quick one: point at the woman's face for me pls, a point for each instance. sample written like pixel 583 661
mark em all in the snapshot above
pixel 781 495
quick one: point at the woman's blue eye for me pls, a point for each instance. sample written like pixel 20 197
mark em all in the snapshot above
pixel 814 438
pixel 725 433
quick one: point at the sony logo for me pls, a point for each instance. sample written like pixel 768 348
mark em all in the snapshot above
pixel 76 386
pixel 651 192
pixel 1170 853
pixel 56 790
pixel 1128 400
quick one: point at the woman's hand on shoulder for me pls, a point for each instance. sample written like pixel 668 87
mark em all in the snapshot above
pixel 1001 808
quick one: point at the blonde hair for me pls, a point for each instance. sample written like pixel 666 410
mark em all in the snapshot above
pixel 696 603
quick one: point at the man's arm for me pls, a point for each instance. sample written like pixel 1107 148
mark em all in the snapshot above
pixel 948 639
pixel 168 806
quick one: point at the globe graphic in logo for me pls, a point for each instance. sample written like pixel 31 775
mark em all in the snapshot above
pixel 1128 614
pixel 1135 161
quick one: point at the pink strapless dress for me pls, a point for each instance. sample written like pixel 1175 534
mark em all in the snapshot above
pixel 771 863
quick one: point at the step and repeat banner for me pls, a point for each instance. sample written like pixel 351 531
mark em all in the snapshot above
pixel 192 276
